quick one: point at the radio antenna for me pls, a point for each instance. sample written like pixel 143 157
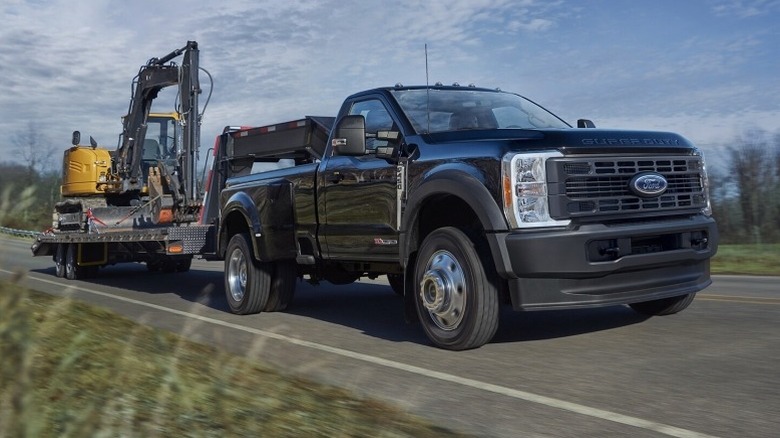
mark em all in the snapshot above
pixel 427 92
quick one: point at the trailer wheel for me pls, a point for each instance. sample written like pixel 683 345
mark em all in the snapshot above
pixel 456 295
pixel 247 283
pixel 664 306
pixel 59 260
pixel 72 270
pixel 282 286
pixel 183 264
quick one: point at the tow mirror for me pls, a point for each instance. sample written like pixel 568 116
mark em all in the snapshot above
pixel 76 139
pixel 350 138
pixel 585 123
pixel 390 136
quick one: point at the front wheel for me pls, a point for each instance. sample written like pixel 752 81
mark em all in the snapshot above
pixel 455 291
pixel 247 283
pixel 664 306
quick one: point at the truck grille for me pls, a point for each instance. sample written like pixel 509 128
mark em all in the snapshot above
pixel 581 187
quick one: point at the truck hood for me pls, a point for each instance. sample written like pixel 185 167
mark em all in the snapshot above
pixel 569 141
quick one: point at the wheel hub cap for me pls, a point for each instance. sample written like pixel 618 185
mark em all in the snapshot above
pixel 443 290
pixel 237 275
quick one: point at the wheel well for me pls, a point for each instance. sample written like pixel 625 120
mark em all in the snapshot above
pixel 441 211
pixel 234 223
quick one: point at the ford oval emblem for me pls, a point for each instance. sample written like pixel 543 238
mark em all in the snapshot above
pixel 648 184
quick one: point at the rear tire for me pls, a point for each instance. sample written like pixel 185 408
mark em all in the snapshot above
pixel 455 291
pixel 247 282
pixel 282 286
pixel 664 306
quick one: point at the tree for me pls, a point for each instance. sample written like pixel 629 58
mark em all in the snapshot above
pixel 29 190
pixel 755 167
pixel 35 150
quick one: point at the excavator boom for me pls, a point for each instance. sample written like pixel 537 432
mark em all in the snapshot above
pixel 179 177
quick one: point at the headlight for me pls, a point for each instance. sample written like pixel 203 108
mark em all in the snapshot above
pixel 524 177
pixel 705 183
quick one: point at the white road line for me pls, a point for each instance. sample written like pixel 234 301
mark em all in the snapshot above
pixel 471 383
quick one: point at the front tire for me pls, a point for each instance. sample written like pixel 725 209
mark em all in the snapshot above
pixel 455 291
pixel 247 283
pixel 664 306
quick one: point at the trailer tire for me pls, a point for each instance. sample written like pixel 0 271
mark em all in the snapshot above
pixel 72 270
pixel 168 265
pixel 664 306
pixel 183 264
pixel 59 260
pixel 282 286
pixel 247 282
pixel 456 292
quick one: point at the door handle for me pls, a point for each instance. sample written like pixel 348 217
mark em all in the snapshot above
pixel 335 177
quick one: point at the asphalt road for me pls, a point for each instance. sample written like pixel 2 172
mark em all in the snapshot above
pixel 711 370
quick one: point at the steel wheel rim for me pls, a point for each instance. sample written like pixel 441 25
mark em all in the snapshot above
pixel 443 290
pixel 237 275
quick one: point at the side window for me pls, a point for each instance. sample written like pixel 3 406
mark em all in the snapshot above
pixel 377 119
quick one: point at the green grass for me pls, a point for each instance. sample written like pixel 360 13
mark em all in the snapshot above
pixel 747 259
pixel 71 369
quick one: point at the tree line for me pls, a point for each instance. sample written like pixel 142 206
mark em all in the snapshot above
pixel 745 189
pixel 744 186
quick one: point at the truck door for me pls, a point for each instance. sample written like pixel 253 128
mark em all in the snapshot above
pixel 359 203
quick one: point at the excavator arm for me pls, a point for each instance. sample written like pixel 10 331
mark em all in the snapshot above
pixel 177 182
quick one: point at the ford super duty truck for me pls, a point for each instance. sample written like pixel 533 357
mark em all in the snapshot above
pixel 466 198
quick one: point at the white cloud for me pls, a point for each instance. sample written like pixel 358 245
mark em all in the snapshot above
pixel 68 65
pixel 745 8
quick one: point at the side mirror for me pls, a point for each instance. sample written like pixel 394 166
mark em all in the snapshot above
pixel 76 139
pixel 585 123
pixel 350 136
pixel 390 136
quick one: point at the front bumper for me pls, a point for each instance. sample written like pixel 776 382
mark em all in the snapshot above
pixel 598 265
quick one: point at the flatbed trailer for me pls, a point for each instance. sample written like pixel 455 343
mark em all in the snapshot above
pixel 78 254
pixel 102 236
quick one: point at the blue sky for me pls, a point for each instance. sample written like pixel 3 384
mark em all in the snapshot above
pixel 707 69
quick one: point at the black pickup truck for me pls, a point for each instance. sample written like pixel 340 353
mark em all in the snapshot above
pixel 466 198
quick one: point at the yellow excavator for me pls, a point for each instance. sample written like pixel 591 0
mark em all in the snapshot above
pixel 87 168
pixel 151 177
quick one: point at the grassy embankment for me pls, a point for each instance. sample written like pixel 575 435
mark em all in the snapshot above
pixel 747 260
pixel 71 369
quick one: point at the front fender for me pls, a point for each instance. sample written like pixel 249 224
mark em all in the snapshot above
pixel 455 182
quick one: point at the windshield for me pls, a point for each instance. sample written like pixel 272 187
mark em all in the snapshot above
pixel 161 137
pixel 457 109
